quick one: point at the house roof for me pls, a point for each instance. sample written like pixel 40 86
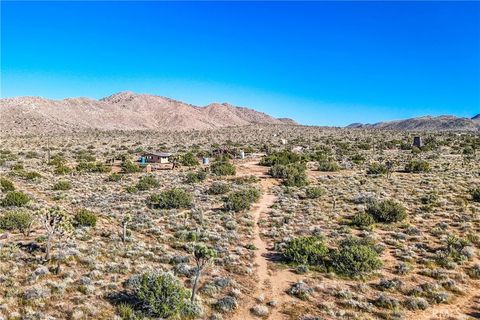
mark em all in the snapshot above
pixel 160 154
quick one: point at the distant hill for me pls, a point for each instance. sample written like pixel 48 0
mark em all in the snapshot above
pixel 427 123
pixel 122 111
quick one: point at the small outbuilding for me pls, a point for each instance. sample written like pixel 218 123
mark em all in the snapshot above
pixel 417 142
pixel 156 157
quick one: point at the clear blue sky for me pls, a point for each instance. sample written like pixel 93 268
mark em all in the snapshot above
pixel 326 63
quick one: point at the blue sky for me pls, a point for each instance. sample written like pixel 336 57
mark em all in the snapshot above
pixel 323 63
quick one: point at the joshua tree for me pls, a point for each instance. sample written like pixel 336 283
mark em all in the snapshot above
pixel 203 255
pixel 126 220
pixel 57 224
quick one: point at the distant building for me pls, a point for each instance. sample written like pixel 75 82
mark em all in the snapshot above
pixel 156 157
pixel 417 142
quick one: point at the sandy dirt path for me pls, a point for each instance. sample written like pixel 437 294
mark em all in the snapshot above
pixel 271 284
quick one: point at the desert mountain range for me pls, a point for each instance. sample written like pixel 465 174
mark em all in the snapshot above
pixel 122 111
pixel 131 111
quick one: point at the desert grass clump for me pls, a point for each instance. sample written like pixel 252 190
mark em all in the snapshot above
pixel 218 188
pixel 15 199
pixel 6 185
pixel 21 221
pixel 85 218
pixel 175 198
pixel 62 185
pixel 308 250
pixel 387 211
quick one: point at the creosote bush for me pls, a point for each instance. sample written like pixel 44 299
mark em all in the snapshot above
pixel 377 168
pixel 223 167
pixel 189 160
pixel 280 158
pixel 241 200
pixel 328 166
pixel 160 295
pixel 129 166
pixel 308 250
pixel 85 218
pixel 387 211
pixel 15 199
pixel 292 174
pixel 355 258
pixel 195 177
pixel 146 183
pixel 363 220
pixel 17 220
pixel 314 192
pixel 416 166
pixel 171 199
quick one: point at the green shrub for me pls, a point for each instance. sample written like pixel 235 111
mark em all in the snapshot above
pixel 171 199
pixel 387 211
pixel 223 167
pixel 62 185
pixel 363 220
pixel 114 177
pixel 308 250
pixel 195 177
pixel 241 200
pixel 314 192
pixel 85 218
pixel 355 258
pixel 62 169
pixel 377 168
pixel 218 188
pixel 93 167
pixel 416 166
pixel 129 166
pixel 475 194
pixel 293 174
pixel 161 295
pixel 17 220
pixel 6 185
pixel 188 160
pixel 28 175
pixel 328 166
pixel 280 157
pixel 15 199
pixel 147 182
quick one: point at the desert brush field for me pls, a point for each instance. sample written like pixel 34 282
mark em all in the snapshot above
pixel 313 223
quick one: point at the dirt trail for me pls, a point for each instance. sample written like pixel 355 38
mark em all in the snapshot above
pixel 271 284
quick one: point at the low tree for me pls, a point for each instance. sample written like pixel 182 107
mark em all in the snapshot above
pixel 203 255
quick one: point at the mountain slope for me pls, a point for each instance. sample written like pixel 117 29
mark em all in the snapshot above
pixel 427 123
pixel 121 111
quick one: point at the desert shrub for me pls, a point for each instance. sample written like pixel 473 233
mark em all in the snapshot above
pixel 377 168
pixel 28 175
pixel 17 220
pixel 195 177
pixel 218 188
pixel 453 251
pixel 293 174
pixel 355 258
pixel 416 166
pixel 62 169
pixel 314 192
pixel 114 177
pixel 6 185
pixel 358 159
pixel 382 301
pixel 363 220
pixel 171 199
pixel 308 250
pixel 15 199
pixel 57 160
pixel 129 166
pixel 188 160
pixel 387 211
pixel 62 185
pixel 94 167
pixel 160 295
pixel 328 166
pixel 280 157
pixel 475 194
pixel 17 167
pixel 223 167
pixel 241 200
pixel 147 182
pixel 85 218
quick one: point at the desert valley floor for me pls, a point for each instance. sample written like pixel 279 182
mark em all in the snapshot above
pixel 313 223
